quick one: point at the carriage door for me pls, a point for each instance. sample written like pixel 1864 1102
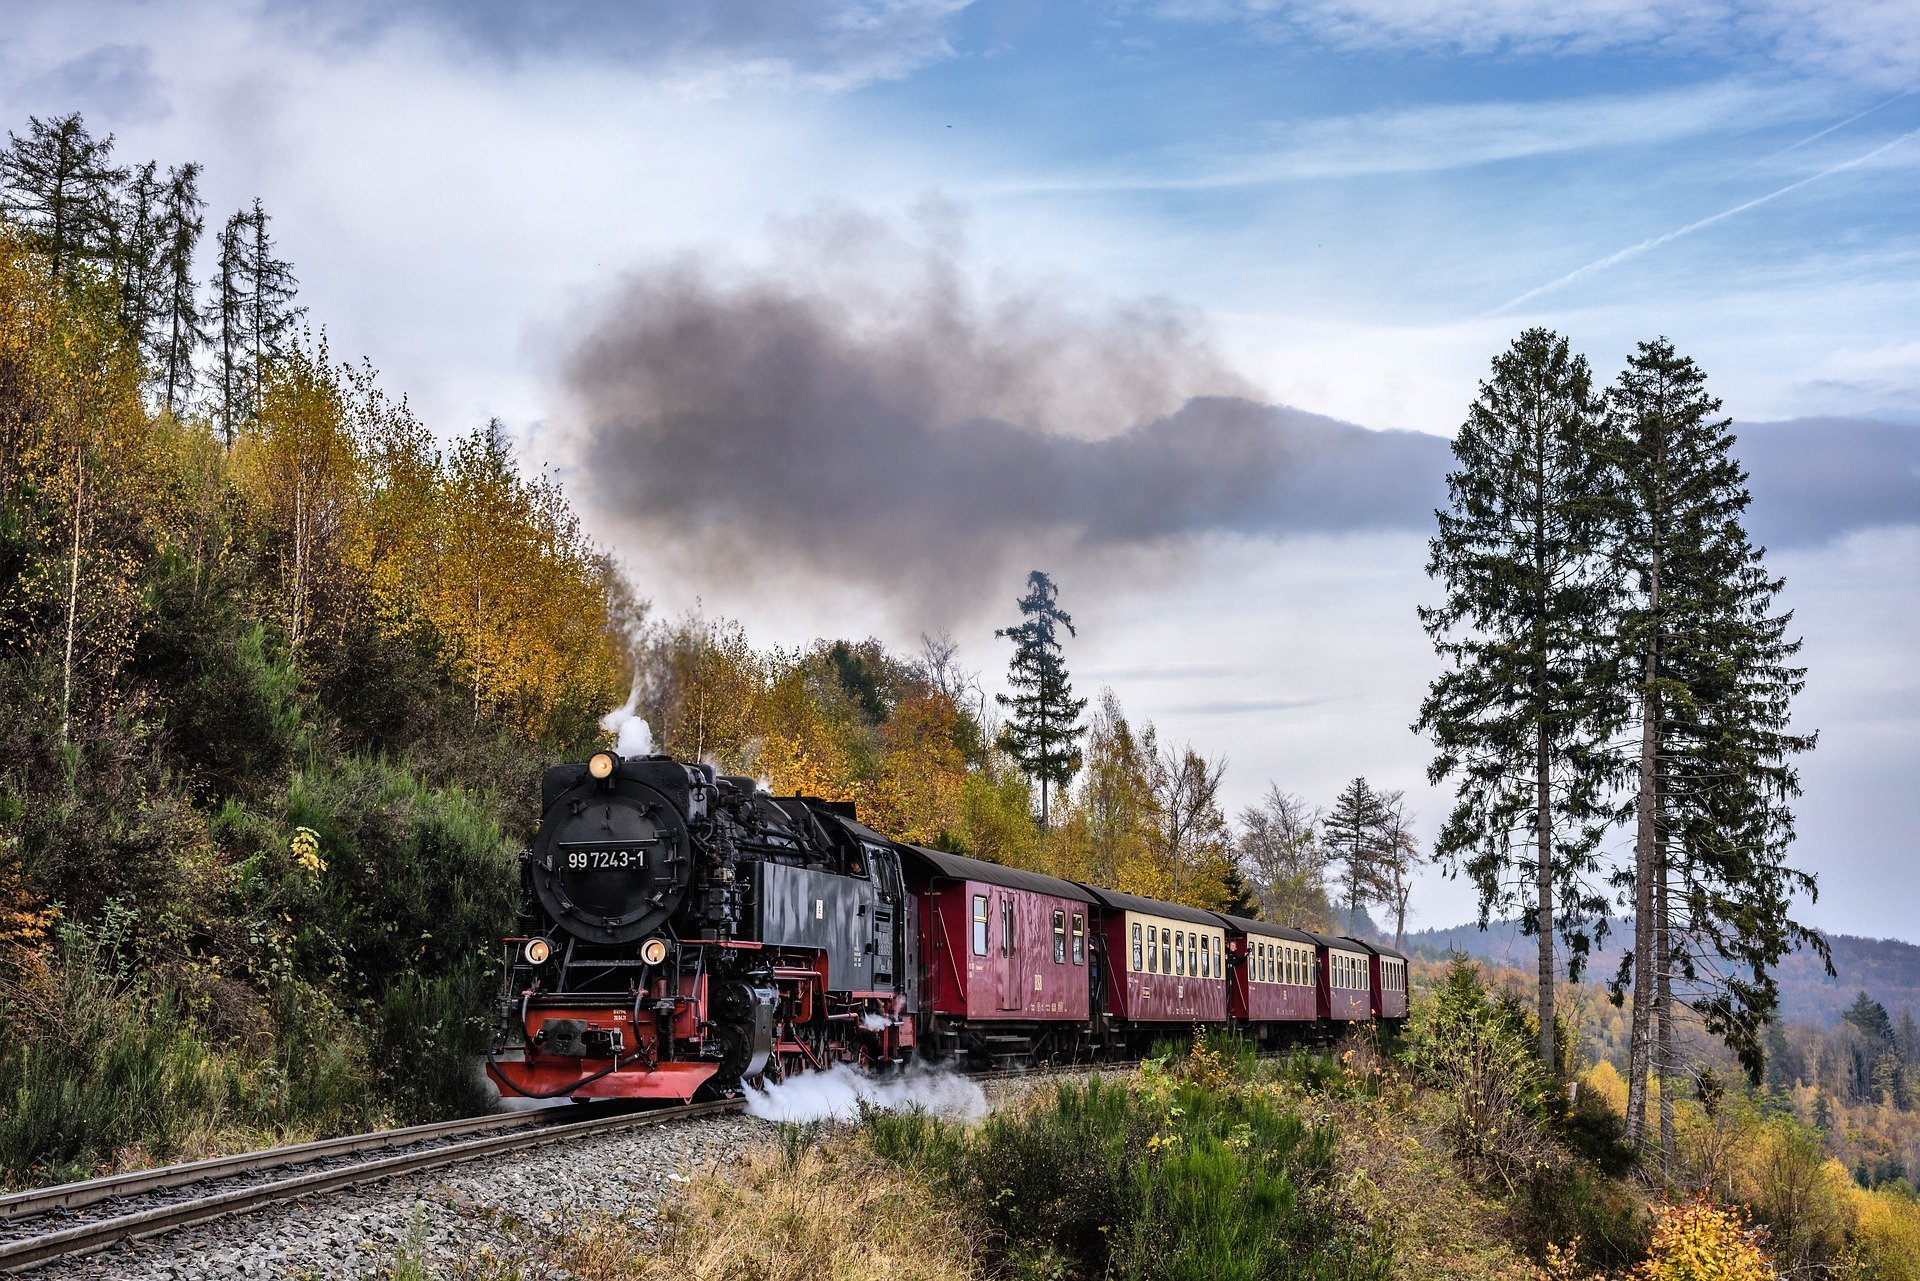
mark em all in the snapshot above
pixel 1013 973
pixel 887 910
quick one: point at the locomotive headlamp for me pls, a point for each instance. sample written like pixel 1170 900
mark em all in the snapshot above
pixel 654 950
pixel 537 951
pixel 601 764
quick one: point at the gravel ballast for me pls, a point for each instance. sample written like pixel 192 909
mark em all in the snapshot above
pixel 450 1214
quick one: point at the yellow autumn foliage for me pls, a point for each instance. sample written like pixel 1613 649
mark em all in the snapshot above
pixel 1699 1241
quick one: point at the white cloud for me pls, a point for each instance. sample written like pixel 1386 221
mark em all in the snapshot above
pixel 1874 40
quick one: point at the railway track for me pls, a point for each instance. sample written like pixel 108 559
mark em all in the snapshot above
pixel 74 1219
pixel 45 1225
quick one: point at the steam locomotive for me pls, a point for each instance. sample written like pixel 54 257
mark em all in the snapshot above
pixel 686 931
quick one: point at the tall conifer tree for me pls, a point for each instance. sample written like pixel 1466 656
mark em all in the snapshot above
pixel 1710 669
pixel 228 313
pixel 1043 732
pixel 139 252
pixel 253 315
pixel 59 183
pixel 1356 834
pixel 270 289
pixel 181 329
pixel 1519 716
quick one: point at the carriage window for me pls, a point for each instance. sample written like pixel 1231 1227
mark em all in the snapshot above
pixel 1193 959
pixel 1153 950
pixel 1079 938
pixel 1179 952
pixel 979 925
pixel 1206 957
pixel 1059 937
pixel 1137 963
pixel 1006 927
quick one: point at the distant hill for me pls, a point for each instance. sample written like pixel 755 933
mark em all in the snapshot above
pixel 1886 969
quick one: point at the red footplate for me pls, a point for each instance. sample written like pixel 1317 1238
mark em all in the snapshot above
pixel 546 1077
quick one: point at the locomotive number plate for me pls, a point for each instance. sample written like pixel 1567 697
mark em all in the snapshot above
pixel 600 857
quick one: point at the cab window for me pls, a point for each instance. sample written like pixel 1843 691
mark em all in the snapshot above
pixel 1079 938
pixel 1059 937
pixel 979 925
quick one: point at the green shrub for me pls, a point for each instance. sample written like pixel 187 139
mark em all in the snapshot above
pixel 1166 1180
pixel 103 1067
pixel 417 880
pixel 427 1036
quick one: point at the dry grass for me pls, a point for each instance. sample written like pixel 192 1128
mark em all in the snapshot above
pixel 828 1211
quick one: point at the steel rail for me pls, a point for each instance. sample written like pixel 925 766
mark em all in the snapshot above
pixel 86 1238
pixel 71 1196
pixel 525 1130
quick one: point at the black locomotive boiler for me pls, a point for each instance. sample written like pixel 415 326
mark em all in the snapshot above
pixel 686 930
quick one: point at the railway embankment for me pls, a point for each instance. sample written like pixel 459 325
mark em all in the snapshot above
pixel 1446 1154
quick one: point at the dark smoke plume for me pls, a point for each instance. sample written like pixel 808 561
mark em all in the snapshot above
pixel 865 413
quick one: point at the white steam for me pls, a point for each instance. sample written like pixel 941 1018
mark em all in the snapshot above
pixel 838 1093
pixel 634 735
pixel 873 1022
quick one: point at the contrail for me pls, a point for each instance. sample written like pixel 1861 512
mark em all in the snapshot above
pixel 1811 138
pixel 1634 251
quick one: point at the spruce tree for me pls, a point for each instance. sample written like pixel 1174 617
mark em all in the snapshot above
pixel 1709 668
pixel 59 183
pixel 138 258
pixel 1519 716
pixel 1356 834
pixel 181 329
pixel 270 289
pixel 1043 732
pixel 252 312
pixel 228 312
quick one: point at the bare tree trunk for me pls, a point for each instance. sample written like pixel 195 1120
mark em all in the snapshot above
pixel 1543 911
pixel 1663 977
pixel 1645 860
pixel 299 567
pixel 73 595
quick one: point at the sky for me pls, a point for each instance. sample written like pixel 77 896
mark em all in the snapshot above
pixel 836 316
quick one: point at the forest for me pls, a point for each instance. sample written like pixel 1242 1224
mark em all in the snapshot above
pixel 280 666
